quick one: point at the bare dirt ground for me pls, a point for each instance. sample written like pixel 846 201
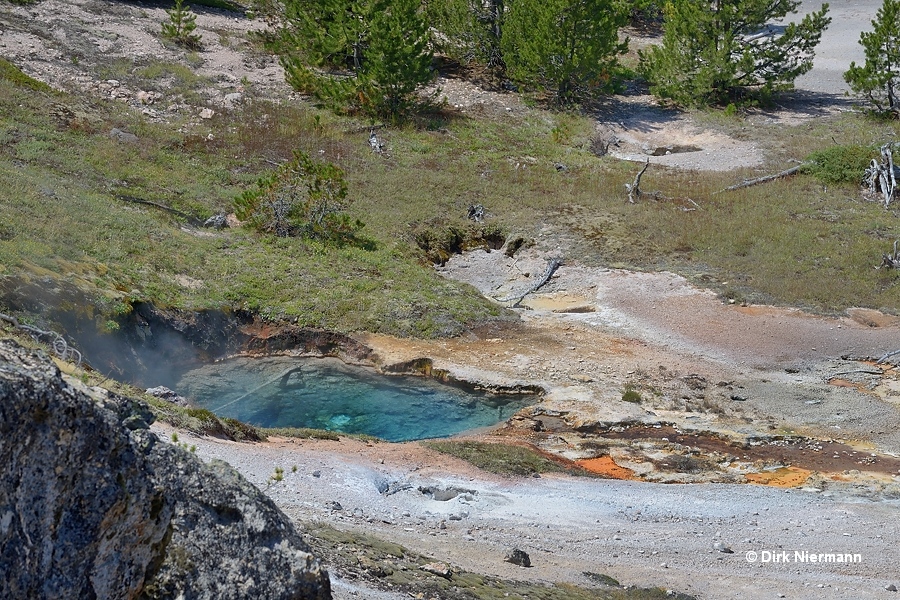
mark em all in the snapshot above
pixel 734 393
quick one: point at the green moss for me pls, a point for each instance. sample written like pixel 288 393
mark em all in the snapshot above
pixel 505 459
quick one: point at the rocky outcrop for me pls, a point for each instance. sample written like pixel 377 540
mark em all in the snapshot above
pixel 94 505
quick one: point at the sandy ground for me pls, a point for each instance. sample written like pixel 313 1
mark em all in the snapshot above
pixel 636 532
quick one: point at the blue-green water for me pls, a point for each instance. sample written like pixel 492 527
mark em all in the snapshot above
pixel 328 394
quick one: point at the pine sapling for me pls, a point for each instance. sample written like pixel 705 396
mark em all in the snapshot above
pixel 181 26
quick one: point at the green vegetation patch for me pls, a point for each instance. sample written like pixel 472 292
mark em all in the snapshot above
pixel 840 164
pixel 506 459
pixel 14 75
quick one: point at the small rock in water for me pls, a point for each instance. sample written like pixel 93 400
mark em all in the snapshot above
pixel 518 557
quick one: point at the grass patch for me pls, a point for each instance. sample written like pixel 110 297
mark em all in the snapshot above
pixel 387 565
pixel 14 75
pixel 506 459
pixel 794 241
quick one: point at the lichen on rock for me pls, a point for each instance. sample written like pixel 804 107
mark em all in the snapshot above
pixel 94 505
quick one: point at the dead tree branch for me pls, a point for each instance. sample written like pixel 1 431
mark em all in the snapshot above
pixel 891 261
pixel 634 188
pixel 190 219
pixel 881 177
pixel 751 182
pixel 58 344
pixel 548 273
pixel 887 356
pixel 634 191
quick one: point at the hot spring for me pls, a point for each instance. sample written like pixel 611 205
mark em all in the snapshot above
pixel 325 393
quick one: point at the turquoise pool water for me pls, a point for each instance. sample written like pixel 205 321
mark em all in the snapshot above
pixel 328 394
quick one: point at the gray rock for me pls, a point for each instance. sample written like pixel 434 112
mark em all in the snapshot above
pixel 90 508
pixel 122 136
pixel 233 99
pixel 518 557
pixel 891 587
pixel 721 547
pixel 164 393
pixel 219 221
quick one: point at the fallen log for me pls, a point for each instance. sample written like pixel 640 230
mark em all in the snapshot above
pixel 548 273
pixel 887 356
pixel 190 219
pixel 751 182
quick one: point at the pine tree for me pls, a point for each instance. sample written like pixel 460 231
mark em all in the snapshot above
pixel 879 79
pixel 398 59
pixel 303 198
pixel 470 30
pixel 566 46
pixel 716 51
pixel 181 26
pixel 380 48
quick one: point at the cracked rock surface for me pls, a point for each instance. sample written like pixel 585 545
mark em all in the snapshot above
pixel 94 505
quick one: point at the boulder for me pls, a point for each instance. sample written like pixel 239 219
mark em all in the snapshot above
pixel 164 393
pixel 95 505
pixel 518 557
pixel 122 136
pixel 217 221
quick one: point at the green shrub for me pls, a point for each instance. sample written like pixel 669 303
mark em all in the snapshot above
pixel 840 164
pixel 301 198
pixel 181 25
pixel 631 396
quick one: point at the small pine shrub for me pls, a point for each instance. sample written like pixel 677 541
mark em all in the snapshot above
pixel 181 26
pixel 840 164
pixel 631 396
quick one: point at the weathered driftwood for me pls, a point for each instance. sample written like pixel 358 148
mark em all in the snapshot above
pixel 881 177
pixel 376 144
pixel 892 260
pixel 548 273
pixel 887 356
pixel 58 344
pixel 190 219
pixel 856 371
pixel 751 182
pixel 634 191
pixel 634 188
